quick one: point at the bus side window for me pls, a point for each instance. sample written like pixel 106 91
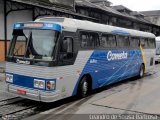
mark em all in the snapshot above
pixel 108 41
pixel 84 39
pixel 122 41
pixel 144 43
pixel 151 43
pixel 104 42
pixel 94 39
pixel 89 40
pixel 134 42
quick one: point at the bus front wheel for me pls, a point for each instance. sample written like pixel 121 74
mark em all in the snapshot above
pixel 84 87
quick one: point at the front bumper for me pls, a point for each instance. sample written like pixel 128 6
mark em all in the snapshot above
pixel 33 94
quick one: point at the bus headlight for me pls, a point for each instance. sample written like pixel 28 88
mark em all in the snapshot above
pixel 39 84
pixel 9 78
pixel 42 84
pixel 36 83
pixel 50 85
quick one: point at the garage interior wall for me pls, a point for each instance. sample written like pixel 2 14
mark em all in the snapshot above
pixel 13 17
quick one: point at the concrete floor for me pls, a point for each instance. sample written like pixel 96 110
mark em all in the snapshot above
pixel 139 96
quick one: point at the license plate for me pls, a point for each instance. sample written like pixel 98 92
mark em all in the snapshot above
pixel 22 92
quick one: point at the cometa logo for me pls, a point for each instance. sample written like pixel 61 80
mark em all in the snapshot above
pixel 116 56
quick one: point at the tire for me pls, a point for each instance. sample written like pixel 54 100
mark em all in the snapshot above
pixel 84 88
pixel 141 71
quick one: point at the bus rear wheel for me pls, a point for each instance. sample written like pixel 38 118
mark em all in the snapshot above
pixel 84 88
pixel 141 71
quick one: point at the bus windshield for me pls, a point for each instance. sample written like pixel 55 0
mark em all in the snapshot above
pixel 33 44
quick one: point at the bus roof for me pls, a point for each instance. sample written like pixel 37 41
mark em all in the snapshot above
pixel 72 25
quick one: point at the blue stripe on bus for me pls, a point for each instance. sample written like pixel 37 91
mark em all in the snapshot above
pixel 105 72
pixel 120 32
pixel 28 82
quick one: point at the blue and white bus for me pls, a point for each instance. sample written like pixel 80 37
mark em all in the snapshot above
pixel 53 58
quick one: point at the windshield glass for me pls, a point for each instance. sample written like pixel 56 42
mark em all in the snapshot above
pixel 34 44
pixel 43 42
pixel 157 48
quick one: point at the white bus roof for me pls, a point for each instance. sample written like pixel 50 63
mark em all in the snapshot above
pixel 72 25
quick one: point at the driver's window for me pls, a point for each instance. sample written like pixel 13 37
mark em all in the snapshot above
pixel 67 45
pixel 66 56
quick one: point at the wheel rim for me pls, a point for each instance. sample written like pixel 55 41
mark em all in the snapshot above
pixel 85 88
